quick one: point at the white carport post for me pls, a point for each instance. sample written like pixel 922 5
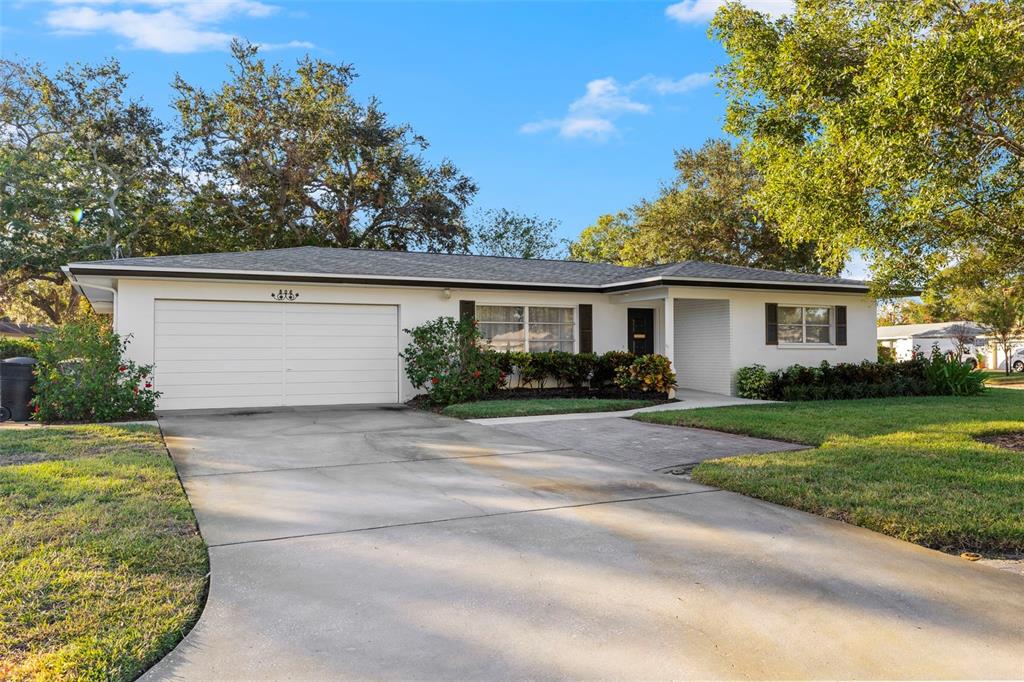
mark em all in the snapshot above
pixel 669 335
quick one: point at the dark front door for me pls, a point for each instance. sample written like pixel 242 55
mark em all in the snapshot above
pixel 641 330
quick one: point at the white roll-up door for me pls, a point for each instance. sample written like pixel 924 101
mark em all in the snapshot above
pixel 240 354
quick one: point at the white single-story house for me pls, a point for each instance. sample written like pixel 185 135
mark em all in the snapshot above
pixel 906 339
pixel 315 326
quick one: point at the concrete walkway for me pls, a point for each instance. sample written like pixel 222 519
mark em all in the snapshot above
pixel 686 399
pixel 393 544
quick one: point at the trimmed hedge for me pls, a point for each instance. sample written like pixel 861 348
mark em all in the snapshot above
pixel 15 347
pixel 938 375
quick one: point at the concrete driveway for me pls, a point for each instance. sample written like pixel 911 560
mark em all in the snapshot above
pixel 393 544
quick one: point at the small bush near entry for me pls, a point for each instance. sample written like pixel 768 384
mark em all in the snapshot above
pixel 11 347
pixel 647 373
pixel 445 358
pixel 83 376
pixel 754 382
pixel 608 364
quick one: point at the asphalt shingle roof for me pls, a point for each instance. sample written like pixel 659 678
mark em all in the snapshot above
pixel 312 260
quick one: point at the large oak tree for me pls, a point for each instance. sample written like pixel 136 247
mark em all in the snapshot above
pixel 703 214
pixel 893 128
pixel 278 158
pixel 82 170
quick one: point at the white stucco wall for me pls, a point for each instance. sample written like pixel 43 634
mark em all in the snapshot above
pixel 745 342
pixel 416 305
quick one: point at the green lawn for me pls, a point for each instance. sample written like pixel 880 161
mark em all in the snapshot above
pixel 907 467
pixel 530 406
pixel 995 377
pixel 102 570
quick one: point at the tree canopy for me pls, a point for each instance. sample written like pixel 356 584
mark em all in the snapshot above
pixel 82 169
pixel 278 158
pixel 272 158
pixel 516 235
pixel 894 128
pixel 703 214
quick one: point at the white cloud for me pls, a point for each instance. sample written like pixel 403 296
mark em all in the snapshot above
pixel 700 11
pixel 173 26
pixel 604 100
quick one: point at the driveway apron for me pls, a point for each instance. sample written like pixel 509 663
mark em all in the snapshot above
pixel 381 542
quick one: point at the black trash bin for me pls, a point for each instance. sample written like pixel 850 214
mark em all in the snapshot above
pixel 16 382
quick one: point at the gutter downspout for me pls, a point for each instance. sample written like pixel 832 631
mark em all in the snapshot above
pixel 78 284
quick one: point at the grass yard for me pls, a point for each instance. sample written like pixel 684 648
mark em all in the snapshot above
pixel 484 409
pixel 996 377
pixel 907 467
pixel 102 570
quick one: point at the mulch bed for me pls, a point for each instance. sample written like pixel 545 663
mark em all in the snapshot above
pixel 420 401
pixel 1011 441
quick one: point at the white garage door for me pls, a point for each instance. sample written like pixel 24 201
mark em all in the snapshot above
pixel 233 354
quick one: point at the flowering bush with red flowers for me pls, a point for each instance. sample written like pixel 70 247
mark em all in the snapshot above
pixel 83 376
pixel 445 358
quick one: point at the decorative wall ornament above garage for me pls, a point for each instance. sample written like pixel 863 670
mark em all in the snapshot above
pixel 284 295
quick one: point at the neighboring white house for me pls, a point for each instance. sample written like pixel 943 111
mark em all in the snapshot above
pixel 906 339
pixel 309 325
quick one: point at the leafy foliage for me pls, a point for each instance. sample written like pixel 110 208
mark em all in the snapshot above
pixel 514 235
pixel 445 358
pixel 14 347
pixel 647 373
pixel 83 376
pixel 703 214
pixel 1001 310
pixel 949 376
pixel 282 159
pixel 82 169
pixel 755 382
pixel 894 128
pixel 940 375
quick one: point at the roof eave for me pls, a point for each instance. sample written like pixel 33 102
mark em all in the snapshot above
pixel 374 280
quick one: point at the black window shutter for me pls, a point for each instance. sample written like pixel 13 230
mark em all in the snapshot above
pixel 840 325
pixel 771 324
pixel 467 309
pixel 586 328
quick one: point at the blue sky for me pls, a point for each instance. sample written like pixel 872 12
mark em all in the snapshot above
pixel 566 110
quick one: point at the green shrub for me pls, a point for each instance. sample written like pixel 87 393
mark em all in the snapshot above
pixel 886 354
pixel 82 375
pixel 754 382
pixel 842 381
pixel 646 373
pixel 608 365
pixel 445 358
pixel 949 376
pixel 576 369
pixel 12 347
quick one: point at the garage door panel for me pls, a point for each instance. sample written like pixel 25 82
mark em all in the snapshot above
pixel 196 330
pixel 248 307
pixel 214 379
pixel 351 343
pixel 341 330
pixel 343 377
pixel 220 341
pixel 383 361
pixel 208 401
pixel 348 388
pixel 223 390
pixel 192 365
pixel 234 354
pixel 203 317
pixel 218 354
